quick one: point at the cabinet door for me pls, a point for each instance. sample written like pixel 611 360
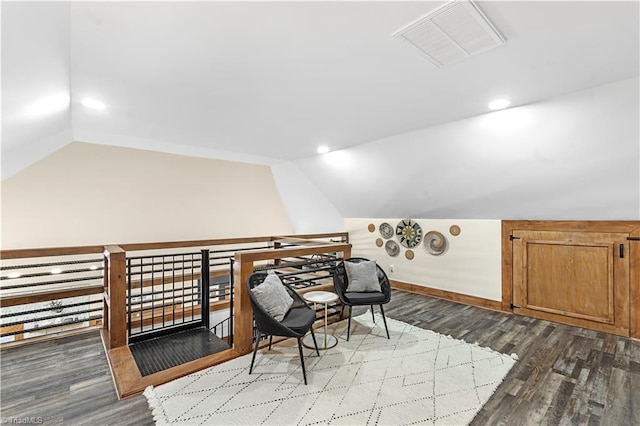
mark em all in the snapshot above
pixel 576 278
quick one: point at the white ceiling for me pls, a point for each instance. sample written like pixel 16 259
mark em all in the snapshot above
pixel 272 81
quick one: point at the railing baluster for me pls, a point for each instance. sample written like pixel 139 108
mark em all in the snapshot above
pixel 129 298
pixel 231 307
pixel 204 280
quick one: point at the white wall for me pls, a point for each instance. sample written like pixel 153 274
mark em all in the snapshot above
pixel 36 118
pixel 308 208
pixel 572 157
pixel 95 194
pixel 471 264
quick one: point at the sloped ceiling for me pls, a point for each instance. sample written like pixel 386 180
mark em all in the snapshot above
pixel 269 81
pixel 36 119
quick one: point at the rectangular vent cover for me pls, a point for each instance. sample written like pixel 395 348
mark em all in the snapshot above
pixel 450 33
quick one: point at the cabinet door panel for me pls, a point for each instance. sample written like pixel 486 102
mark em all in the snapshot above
pixel 577 278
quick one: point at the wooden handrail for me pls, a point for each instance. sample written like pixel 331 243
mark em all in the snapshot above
pixel 46 252
pixel 256 255
pixel 194 243
pixel 344 235
pixel 23 299
pixel 75 250
pixel 268 250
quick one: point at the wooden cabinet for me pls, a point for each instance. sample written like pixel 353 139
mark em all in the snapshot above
pixel 578 273
pixel 578 278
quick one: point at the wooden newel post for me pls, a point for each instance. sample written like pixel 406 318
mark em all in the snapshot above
pixel 242 311
pixel 116 296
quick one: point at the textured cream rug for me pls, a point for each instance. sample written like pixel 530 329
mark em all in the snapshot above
pixel 417 377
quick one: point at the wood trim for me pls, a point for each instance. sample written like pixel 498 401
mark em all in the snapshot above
pixel 344 235
pixel 129 382
pixel 634 289
pixel 72 250
pixel 242 310
pixel 117 291
pixel 49 337
pixel 507 266
pixel 24 299
pixel 258 255
pixel 194 243
pixel 449 295
pixel 46 252
pixel 11 329
pixel 222 241
pixel 632 227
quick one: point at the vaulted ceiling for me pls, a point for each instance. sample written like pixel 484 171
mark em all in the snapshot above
pixel 270 81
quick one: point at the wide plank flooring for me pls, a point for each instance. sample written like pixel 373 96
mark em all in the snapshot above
pixel 65 382
pixel 566 375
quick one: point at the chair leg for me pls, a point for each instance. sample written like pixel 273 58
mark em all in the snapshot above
pixel 342 313
pixel 314 340
pixel 255 349
pixel 349 324
pixel 372 316
pixel 385 321
pixel 270 340
pixel 304 373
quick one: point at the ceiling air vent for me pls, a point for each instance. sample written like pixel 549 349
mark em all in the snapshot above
pixel 452 32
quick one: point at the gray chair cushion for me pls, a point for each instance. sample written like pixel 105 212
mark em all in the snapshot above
pixel 273 297
pixel 362 277
pixel 298 319
pixel 370 298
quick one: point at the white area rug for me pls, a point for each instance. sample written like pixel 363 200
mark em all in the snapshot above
pixel 417 377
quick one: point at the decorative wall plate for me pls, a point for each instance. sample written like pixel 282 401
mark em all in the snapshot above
pixel 454 230
pixel 392 248
pixel 371 227
pixel 409 233
pixel 435 243
pixel 379 242
pixel 409 254
pixel 386 230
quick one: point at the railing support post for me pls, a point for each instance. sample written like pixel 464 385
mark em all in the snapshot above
pixel 242 311
pixel 116 297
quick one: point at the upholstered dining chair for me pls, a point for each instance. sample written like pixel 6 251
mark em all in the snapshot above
pixel 361 282
pixel 279 311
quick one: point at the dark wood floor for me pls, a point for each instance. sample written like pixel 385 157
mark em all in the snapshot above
pixel 566 375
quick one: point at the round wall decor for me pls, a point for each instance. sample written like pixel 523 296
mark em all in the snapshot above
pixel 409 233
pixel 409 254
pixel 454 230
pixel 435 243
pixel 371 227
pixel 392 248
pixel 386 230
pixel 379 242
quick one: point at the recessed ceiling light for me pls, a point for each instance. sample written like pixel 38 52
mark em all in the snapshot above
pixel 93 103
pixel 56 271
pixel 323 149
pixel 13 274
pixel 499 104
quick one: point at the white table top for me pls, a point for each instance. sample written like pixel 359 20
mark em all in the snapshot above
pixel 320 296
